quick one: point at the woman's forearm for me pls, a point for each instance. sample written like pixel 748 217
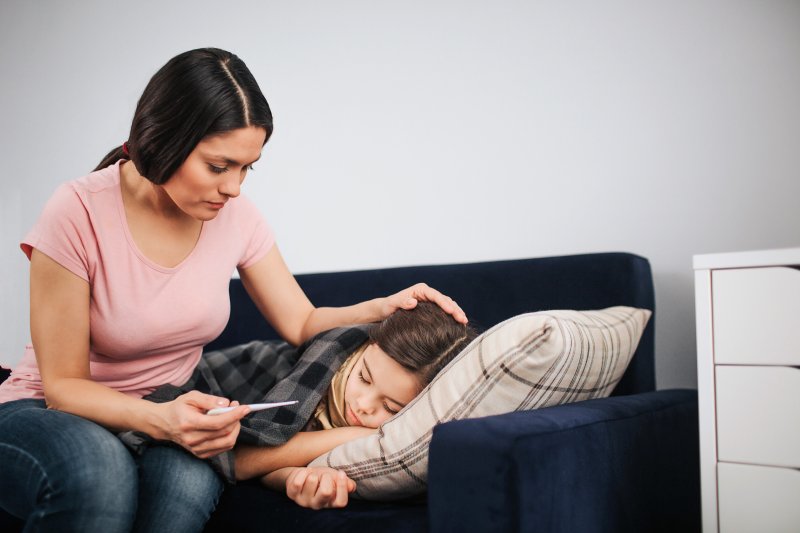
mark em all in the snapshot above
pixel 301 449
pixel 103 405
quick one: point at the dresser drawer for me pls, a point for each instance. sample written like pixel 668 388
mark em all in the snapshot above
pixel 756 316
pixel 758 498
pixel 758 414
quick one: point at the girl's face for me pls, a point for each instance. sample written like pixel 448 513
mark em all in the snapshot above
pixel 214 171
pixel 378 387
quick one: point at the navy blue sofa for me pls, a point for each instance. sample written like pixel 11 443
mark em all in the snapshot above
pixel 625 463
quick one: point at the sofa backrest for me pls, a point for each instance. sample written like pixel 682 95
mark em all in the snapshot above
pixel 489 292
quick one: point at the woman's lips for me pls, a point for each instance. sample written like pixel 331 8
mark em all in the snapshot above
pixel 216 205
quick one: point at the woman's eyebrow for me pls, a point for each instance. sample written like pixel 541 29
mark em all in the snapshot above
pixel 229 161
pixel 369 374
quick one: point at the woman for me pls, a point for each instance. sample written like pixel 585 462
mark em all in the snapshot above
pixel 129 273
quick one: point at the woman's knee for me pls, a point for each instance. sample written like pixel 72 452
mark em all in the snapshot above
pixel 94 469
pixel 175 488
pixel 177 472
pixel 65 450
pixel 67 469
pixel 99 464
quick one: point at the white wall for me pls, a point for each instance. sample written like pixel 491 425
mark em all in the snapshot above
pixel 423 132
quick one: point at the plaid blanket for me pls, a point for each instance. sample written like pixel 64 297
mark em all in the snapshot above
pixel 264 371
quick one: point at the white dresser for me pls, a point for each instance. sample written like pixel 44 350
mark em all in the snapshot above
pixel 748 366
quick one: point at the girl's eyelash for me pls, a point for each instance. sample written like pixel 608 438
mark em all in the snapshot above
pixel 385 405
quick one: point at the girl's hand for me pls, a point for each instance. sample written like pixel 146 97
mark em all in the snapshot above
pixel 185 422
pixel 408 298
pixel 319 487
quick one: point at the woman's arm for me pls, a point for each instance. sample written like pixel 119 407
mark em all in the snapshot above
pixel 301 449
pixel 284 304
pixel 60 335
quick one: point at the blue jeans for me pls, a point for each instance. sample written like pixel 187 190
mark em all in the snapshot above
pixel 61 472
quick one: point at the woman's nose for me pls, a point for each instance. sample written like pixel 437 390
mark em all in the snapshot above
pixel 231 186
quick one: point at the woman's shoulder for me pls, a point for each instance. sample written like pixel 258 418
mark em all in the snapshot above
pixel 78 193
pixel 71 216
pixel 98 181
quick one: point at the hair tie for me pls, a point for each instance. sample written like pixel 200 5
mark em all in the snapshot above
pixel 125 148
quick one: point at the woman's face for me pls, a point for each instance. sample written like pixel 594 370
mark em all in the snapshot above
pixel 377 388
pixel 214 171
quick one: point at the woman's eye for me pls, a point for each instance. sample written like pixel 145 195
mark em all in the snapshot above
pixel 217 170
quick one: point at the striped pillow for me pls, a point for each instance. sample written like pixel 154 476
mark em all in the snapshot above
pixel 526 362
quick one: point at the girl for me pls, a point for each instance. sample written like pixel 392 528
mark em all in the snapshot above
pixel 403 354
pixel 129 275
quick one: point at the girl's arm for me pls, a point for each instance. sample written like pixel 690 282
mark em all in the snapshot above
pixel 60 335
pixel 301 449
pixel 284 304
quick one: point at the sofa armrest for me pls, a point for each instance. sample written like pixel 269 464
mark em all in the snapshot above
pixel 626 463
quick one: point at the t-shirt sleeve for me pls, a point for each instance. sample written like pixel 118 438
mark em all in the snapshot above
pixel 257 233
pixel 61 232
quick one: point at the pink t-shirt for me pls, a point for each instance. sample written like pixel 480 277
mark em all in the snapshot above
pixel 148 323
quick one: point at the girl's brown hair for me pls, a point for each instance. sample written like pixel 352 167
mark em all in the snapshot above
pixel 423 339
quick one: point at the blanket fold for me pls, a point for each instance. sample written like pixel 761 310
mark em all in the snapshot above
pixel 262 372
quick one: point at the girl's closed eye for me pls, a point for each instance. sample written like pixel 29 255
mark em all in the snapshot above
pixel 385 405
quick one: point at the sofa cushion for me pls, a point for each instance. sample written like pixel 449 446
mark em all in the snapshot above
pixel 528 361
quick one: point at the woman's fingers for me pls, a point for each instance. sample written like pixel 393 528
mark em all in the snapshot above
pixel 202 434
pixel 193 410
pixel 424 292
pixel 408 298
pixel 211 446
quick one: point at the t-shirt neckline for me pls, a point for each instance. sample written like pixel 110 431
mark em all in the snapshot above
pixel 129 236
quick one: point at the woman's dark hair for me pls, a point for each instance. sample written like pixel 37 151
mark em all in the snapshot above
pixel 197 94
pixel 423 339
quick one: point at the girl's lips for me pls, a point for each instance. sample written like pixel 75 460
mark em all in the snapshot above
pixel 353 417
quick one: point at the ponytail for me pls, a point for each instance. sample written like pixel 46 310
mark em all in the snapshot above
pixel 112 157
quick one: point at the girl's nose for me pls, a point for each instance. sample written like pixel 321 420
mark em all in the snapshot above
pixel 364 405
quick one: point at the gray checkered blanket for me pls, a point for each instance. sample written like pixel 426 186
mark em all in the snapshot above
pixel 261 372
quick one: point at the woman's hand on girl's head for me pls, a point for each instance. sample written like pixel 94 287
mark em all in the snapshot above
pixel 408 298
pixel 185 422
pixel 319 487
